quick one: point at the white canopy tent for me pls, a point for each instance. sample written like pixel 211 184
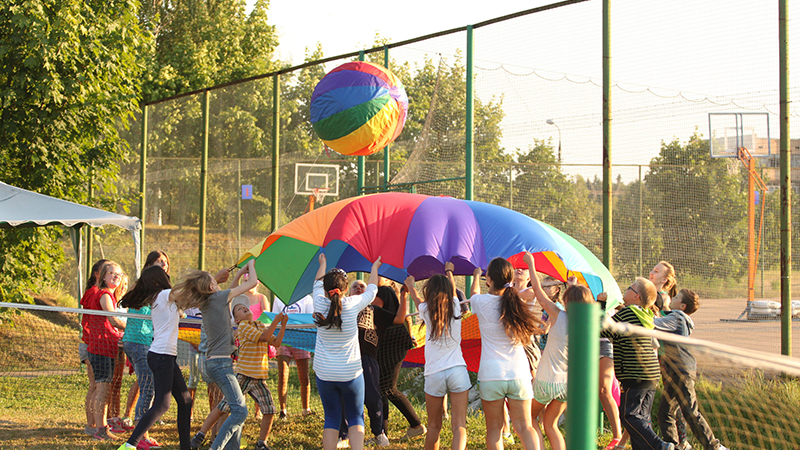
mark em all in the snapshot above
pixel 20 208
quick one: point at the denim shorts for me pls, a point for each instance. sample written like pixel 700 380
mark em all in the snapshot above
pixel 511 389
pixel 102 368
pixel 453 379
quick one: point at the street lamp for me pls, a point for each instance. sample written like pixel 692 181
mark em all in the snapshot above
pixel 550 122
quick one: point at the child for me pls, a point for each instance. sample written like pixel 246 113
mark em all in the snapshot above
pixel 201 290
pixel 139 336
pixel 102 334
pixel 550 386
pixel 445 368
pixel 506 324
pixel 83 353
pixel 636 366
pixel 340 380
pixel 680 374
pixel 115 420
pixel 251 367
pixel 301 358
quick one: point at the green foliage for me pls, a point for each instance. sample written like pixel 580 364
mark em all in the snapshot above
pixel 68 79
pixel 710 234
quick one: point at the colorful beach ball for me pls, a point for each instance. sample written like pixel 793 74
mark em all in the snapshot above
pixel 358 108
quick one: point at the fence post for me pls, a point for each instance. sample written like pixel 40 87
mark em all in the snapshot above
pixel 143 175
pixel 582 374
pixel 276 139
pixel 201 253
pixel 786 181
pixel 360 159
pixel 386 149
pixel 607 235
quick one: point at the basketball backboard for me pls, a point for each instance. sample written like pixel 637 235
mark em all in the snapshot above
pixel 729 131
pixel 308 177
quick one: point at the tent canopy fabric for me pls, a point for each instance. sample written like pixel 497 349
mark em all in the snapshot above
pixel 20 208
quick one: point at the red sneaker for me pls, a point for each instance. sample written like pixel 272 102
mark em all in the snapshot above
pixel 152 443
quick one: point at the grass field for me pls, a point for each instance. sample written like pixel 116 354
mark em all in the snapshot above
pixel 42 392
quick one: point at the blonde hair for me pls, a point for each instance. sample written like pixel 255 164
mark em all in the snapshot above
pixel 193 291
pixel 671 282
pixel 122 287
pixel 646 290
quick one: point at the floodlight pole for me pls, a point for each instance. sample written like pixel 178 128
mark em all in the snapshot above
pixel 786 179
pixel 276 139
pixel 143 175
pixel 607 233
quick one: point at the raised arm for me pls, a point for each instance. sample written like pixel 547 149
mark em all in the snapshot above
pixel 251 282
pixel 279 339
pixel 448 272
pixel 476 282
pixel 412 290
pixel 373 274
pixel 547 304
pixel 323 267
pixel 402 310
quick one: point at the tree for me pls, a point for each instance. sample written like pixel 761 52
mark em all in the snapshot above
pixel 69 76
pixel 699 205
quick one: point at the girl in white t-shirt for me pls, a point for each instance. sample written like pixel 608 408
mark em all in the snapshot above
pixel 445 368
pixel 506 323
pixel 550 386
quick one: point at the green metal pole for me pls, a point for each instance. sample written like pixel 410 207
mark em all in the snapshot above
pixel 386 149
pixel 469 132
pixel 201 254
pixel 276 139
pixel 607 235
pixel 470 111
pixel 360 159
pixel 641 235
pixel 582 375
pixel 786 181
pixel 239 207
pixel 143 176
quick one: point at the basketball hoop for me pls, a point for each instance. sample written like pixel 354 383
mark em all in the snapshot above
pixel 317 195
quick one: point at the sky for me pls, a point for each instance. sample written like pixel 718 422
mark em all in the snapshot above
pixel 673 63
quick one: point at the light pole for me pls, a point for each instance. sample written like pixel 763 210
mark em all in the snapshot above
pixel 550 122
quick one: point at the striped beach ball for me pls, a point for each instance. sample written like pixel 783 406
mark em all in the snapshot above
pixel 358 108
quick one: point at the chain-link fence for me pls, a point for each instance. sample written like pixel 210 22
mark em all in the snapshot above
pixel 537 140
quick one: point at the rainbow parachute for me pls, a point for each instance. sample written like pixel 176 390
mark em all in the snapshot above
pixel 358 108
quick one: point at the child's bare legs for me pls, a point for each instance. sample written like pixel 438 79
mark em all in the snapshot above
pixel 623 441
pixel 133 396
pixel 458 402
pixel 100 403
pixel 212 418
pixel 552 412
pixel 434 406
pixel 114 395
pixel 305 383
pixel 90 422
pixel 266 427
pixel 506 420
pixel 520 412
pixel 330 437
pixel 607 399
pixel 214 397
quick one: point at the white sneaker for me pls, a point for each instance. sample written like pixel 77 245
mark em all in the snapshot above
pixel 343 443
pixel 380 440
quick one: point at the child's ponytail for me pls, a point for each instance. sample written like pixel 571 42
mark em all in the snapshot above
pixel 519 321
pixel 335 285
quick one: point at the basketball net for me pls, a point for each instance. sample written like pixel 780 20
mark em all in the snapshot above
pixel 317 196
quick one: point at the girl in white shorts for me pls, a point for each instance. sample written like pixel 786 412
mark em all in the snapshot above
pixel 507 323
pixel 445 368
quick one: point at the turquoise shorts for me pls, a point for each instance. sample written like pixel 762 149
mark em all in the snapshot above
pixel 511 389
pixel 545 392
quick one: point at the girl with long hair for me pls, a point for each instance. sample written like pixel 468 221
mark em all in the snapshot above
pixel 507 323
pixel 83 353
pixel 337 358
pixel 445 368
pixel 102 334
pixel 138 338
pixel 201 290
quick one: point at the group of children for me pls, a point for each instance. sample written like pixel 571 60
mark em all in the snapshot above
pixel 531 390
